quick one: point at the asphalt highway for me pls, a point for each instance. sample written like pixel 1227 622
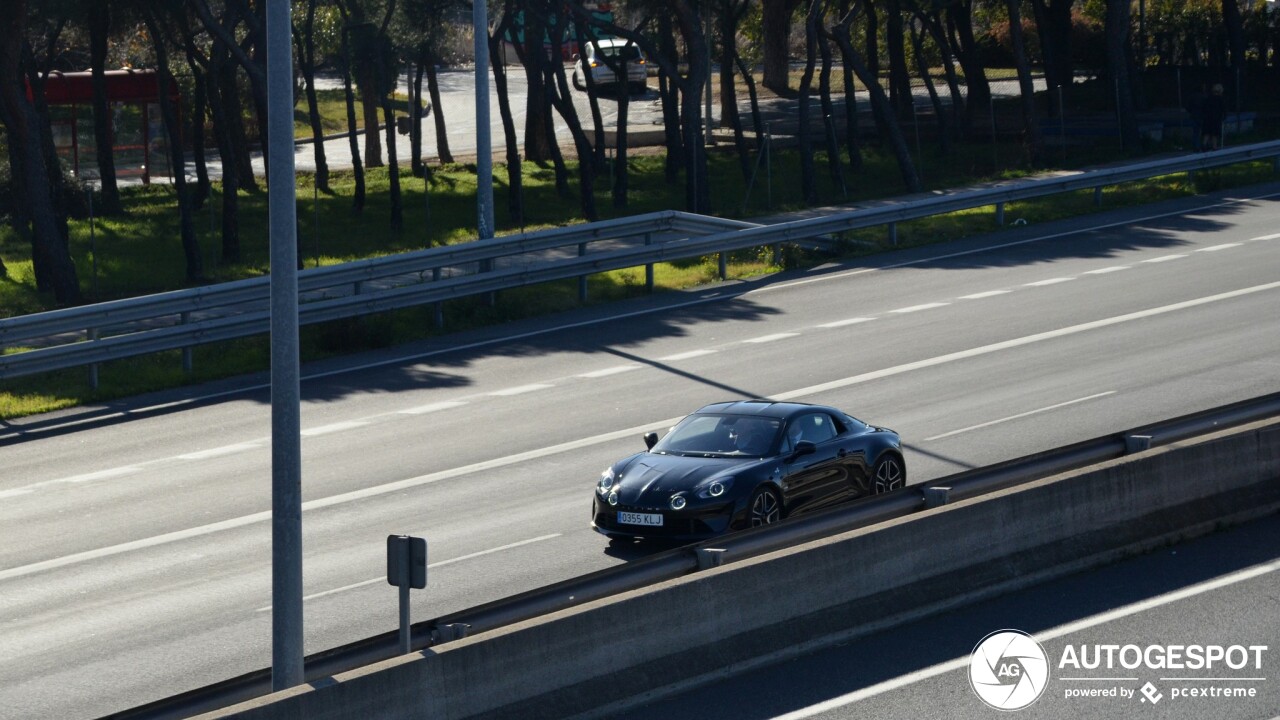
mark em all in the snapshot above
pixel 135 541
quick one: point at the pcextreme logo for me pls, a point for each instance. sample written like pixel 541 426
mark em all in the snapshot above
pixel 1008 670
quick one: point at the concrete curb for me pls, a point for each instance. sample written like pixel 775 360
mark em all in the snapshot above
pixel 581 659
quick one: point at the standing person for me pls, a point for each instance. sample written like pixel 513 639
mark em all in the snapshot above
pixel 1213 116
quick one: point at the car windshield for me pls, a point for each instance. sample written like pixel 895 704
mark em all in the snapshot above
pixel 721 436
pixel 622 52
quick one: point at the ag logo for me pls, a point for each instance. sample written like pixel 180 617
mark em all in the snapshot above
pixel 1008 670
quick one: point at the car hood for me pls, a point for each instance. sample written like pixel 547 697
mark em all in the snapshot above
pixel 650 478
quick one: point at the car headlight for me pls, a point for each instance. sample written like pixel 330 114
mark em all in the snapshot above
pixel 715 488
pixel 613 498
pixel 678 502
pixel 606 482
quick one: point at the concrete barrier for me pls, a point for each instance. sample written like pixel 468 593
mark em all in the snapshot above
pixel 582 659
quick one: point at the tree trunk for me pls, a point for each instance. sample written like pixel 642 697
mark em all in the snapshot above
pixel 173 140
pixel 880 106
pixel 307 64
pixel 729 16
pixel 757 123
pixel 442 137
pixel 1053 22
pixel 562 100
pixel 697 186
pixel 964 46
pixel 899 77
pixel 1031 128
pixel 357 166
pixel 104 150
pixel 829 113
pixel 515 182
pixel 230 179
pixel 1117 34
pixel 33 180
pixel 369 102
pixel 416 116
pixel 850 111
pixel 776 23
pixel 943 129
pixel 199 105
pixel 669 89
pixel 808 183
pixel 539 133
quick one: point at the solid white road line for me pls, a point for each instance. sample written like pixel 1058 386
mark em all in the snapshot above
pixel 440 564
pixel 918 308
pixel 1051 634
pixel 1020 415
pixel 524 457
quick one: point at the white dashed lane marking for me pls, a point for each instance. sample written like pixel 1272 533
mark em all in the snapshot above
pixel 981 295
pixel 844 323
pixel 1050 281
pixel 432 407
pixel 335 427
pixel 520 390
pixel 1216 248
pixel 918 308
pixel 1105 270
pixel 686 355
pixel 220 451
pixel 610 371
pixel 1164 258
pixel 771 338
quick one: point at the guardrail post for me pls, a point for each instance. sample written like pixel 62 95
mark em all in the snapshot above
pixel 435 277
pixel 724 265
pixel 1136 443
pixel 936 496
pixel 893 234
pixel 1000 213
pixel 93 369
pixel 709 557
pixel 1097 195
pixel 582 279
pixel 491 299
pixel 648 268
pixel 186 351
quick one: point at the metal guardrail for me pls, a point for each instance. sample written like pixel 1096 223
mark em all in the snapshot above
pixel 171 320
pixel 678 562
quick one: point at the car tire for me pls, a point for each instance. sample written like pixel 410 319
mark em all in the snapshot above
pixel 577 82
pixel 889 474
pixel 639 88
pixel 765 507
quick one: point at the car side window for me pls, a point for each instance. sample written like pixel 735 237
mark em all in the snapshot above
pixel 816 428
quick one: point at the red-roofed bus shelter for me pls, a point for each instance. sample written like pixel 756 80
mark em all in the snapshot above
pixel 137 131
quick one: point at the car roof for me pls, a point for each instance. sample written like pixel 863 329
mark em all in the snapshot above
pixel 763 408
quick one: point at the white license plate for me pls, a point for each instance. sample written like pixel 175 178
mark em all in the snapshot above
pixel 630 518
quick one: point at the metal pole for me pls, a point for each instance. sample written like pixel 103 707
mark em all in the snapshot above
pixel 768 168
pixel 93 242
pixel 286 444
pixel 406 571
pixel 484 147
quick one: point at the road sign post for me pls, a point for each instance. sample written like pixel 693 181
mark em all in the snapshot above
pixel 406 568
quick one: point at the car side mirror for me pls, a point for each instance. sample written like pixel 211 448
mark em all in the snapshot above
pixel 650 439
pixel 804 447
pixel 575 57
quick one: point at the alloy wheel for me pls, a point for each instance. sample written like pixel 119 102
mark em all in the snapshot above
pixel 765 509
pixel 889 475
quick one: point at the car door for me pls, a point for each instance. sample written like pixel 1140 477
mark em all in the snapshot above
pixel 816 479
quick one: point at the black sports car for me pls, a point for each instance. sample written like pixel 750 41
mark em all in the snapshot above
pixel 737 465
